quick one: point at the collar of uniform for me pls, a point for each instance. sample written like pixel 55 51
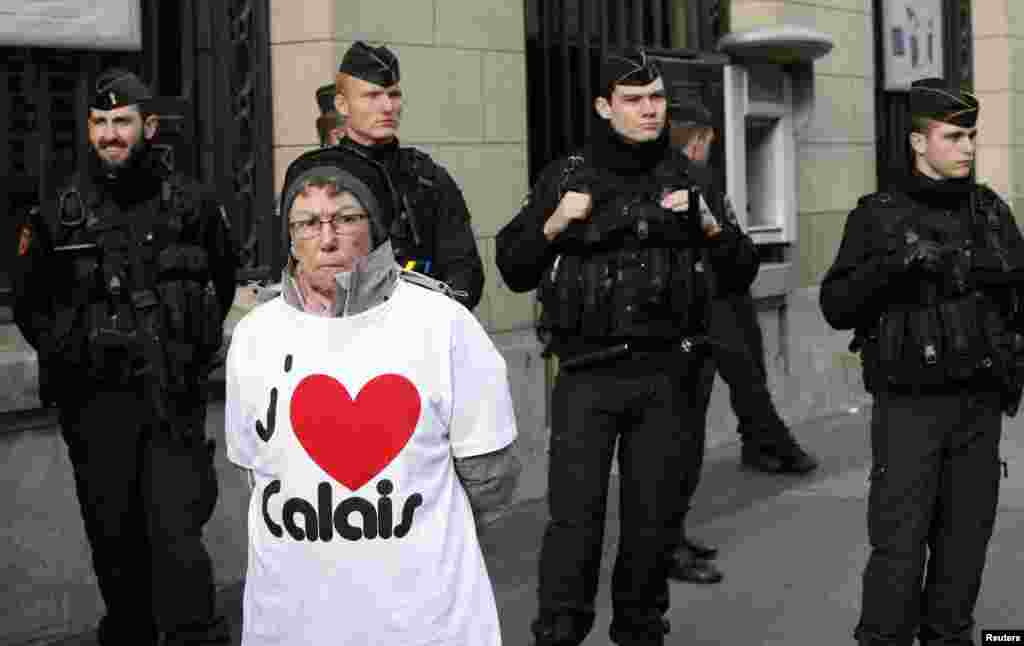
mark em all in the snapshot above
pixel 370 284
pixel 386 153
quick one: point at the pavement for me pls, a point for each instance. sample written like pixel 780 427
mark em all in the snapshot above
pixel 792 549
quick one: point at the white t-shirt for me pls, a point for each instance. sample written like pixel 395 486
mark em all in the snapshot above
pixel 360 531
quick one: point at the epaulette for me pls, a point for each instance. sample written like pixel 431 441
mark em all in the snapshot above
pixel 418 164
pixel 988 195
pixel 422 280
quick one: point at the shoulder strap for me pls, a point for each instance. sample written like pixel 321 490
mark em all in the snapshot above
pixel 418 166
pixel 422 280
pixel 573 163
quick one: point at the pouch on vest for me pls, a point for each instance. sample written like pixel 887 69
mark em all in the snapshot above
pixel 561 296
pixel 599 275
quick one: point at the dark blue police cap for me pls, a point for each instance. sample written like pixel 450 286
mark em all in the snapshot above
pixel 628 67
pixel 116 88
pixel 377 65
pixel 933 98
pixel 691 113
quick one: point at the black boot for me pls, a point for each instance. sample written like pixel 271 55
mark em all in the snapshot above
pixel 216 631
pixel 783 455
pixel 698 549
pixel 560 630
pixel 685 566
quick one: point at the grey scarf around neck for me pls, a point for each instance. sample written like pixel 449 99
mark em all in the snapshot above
pixel 370 284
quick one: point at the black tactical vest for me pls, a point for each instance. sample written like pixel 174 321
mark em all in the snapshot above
pixel 413 232
pixel 938 328
pixel 626 272
pixel 143 269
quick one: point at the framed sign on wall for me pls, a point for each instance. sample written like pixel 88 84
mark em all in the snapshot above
pixel 72 24
pixel 912 41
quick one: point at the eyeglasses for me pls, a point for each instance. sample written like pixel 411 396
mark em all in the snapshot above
pixel 310 227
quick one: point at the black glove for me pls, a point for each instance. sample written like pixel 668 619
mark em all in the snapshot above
pixel 927 255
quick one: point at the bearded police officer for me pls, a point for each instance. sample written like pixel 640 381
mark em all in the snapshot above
pixel 611 235
pixel 926 276
pixel 328 124
pixel 122 291
pixel 432 233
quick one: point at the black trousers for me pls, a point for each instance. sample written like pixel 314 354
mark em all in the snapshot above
pixel 933 497
pixel 592 411
pixel 738 355
pixel 144 497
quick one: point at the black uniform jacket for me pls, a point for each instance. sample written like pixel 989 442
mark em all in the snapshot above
pixel 868 274
pixel 523 253
pixel 42 285
pixel 446 248
pixel 739 275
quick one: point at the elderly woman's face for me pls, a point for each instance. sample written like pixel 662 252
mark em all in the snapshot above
pixel 330 232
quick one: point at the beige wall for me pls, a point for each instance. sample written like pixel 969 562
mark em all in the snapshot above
pixel 999 84
pixel 464 80
pixel 836 149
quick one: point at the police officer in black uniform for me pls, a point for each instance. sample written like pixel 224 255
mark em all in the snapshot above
pixel 738 354
pixel 927 275
pixel 432 234
pixel 736 351
pixel 328 124
pixel 123 291
pixel 611 236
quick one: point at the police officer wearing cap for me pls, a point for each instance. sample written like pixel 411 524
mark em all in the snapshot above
pixel 611 235
pixel 738 354
pixel 122 291
pixel 328 124
pixel 432 233
pixel 927 277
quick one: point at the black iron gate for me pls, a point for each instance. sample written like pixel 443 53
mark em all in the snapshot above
pixel 210 64
pixel 892 116
pixel 566 41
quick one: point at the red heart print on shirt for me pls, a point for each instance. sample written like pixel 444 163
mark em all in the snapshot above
pixel 353 440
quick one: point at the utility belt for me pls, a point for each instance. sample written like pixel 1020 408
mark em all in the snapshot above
pixel 674 353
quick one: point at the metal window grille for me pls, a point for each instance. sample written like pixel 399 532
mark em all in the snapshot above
pixel 568 39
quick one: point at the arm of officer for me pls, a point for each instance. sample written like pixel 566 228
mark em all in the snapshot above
pixel 482 429
pixel 732 252
pixel 222 251
pixel 31 280
pixel 523 246
pixel 864 264
pixel 457 258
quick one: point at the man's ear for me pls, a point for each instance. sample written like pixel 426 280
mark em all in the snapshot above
pixel 340 100
pixel 603 107
pixel 149 126
pixel 919 142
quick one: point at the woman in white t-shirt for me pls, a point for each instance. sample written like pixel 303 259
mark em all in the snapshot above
pixel 375 418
